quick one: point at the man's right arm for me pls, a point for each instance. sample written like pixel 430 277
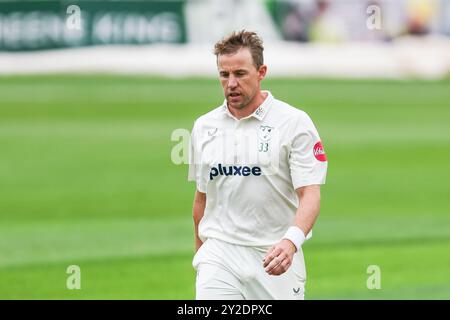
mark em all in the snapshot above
pixel 197 212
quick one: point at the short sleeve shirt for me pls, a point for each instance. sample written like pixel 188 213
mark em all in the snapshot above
pixel 250 168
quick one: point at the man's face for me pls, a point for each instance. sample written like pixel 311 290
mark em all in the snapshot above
pixel 239 78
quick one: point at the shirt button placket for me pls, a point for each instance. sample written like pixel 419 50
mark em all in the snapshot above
pixel 236 142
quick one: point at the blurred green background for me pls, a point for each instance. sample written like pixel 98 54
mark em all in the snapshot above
pixel 86 179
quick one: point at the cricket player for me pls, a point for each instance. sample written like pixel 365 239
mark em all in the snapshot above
pixel 258 164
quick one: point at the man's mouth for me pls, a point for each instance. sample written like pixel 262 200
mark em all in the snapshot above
pixel 234 94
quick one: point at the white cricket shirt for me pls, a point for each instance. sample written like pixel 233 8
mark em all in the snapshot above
pixel 250 169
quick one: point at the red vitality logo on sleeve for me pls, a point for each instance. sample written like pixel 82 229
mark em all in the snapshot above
pixel 319 152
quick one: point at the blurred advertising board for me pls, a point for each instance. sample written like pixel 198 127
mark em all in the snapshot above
pixel 48 24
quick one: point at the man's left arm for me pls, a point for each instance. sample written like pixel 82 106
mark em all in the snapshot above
pixel 279 257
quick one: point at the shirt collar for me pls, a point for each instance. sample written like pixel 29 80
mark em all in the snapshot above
pixel 259 113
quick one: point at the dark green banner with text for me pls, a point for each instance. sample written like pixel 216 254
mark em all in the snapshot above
pixel 37 25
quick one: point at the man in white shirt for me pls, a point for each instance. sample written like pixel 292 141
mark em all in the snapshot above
pixel 258 164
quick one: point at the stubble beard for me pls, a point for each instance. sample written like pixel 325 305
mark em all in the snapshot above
pixel 245 102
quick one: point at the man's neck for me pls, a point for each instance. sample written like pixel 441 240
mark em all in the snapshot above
pixel 251 107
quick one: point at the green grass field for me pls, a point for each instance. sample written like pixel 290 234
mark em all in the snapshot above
pixel 86 179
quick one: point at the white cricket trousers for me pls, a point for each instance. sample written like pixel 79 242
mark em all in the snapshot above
pixel 227 271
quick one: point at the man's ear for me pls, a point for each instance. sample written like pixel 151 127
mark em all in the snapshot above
pixel 262 72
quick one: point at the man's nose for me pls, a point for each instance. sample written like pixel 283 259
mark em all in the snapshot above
pixel 232 82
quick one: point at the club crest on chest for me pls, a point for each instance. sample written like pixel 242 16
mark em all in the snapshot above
pixel 265 133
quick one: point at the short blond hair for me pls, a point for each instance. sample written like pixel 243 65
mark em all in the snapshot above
pixel 242 39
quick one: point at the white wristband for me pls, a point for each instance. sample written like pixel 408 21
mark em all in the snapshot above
pixel 296 235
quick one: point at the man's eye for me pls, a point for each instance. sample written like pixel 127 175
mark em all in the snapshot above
pixel 224 75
